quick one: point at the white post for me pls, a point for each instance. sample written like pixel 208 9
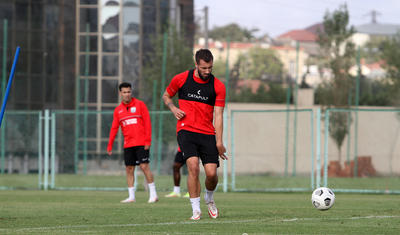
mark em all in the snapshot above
pixel 53 150
pixel 40 153
pixel 318 152
pixel 225 134
pixel 46 148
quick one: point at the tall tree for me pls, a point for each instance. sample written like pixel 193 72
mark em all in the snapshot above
pixel 261 64
pixel 338 53
pixel 232 31
pixel 257 64
pixel 179 59
pixel 391 55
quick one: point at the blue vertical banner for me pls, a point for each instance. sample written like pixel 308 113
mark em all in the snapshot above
pixel 10 79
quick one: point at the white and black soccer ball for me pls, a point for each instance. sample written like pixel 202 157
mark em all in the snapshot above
pixel 323 198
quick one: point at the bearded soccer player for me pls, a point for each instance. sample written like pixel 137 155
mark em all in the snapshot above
pixel 133 117
pixel 200 94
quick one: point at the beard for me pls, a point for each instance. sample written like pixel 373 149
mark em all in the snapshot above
pixel 204 78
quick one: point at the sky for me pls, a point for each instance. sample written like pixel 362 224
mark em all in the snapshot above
pixel 275 17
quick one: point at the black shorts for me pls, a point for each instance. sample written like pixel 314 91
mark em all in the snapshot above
pixel 179 158
pixel 200 145
pixel 137 155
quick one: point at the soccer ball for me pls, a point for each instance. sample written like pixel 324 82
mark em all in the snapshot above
pixel 323 198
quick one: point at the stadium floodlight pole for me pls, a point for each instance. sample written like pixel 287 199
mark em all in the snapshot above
pixel 5 98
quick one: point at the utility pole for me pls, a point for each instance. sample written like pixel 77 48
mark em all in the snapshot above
pixel 206 26
pixel 373 15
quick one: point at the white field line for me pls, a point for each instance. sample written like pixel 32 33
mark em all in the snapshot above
pixel 349 218
pixel 191 222
pixel 130 225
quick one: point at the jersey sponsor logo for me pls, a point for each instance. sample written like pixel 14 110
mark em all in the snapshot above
pixel 133 109
pixel 129 121
pixel 197 96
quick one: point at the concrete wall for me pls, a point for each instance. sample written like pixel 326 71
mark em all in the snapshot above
pixel 259 139
pixel 258 142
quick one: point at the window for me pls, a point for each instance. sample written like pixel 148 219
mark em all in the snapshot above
pixel 91 65
pixel 88 16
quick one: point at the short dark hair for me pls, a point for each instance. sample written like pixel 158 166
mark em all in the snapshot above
pixel 204 54
pixel 124 84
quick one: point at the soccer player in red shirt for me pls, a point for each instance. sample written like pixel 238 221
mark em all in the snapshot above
pixel 133 117
pixel 200 94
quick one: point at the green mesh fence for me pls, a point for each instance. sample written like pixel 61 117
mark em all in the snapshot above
pixel 20 143
pixel 272 150
pixel 85 164
pixel 67 150
pixel 362 150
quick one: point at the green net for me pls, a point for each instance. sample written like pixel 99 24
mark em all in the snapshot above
pixel 362 150
pixel 272 150
pixel 20 143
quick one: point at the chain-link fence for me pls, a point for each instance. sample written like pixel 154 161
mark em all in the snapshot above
pixel 350 150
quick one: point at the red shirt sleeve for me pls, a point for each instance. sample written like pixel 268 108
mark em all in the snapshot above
pixel 113 131
pixel 221 93
pixel 147 124
pixel 176 83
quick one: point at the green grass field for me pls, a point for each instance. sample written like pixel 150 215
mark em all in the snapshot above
pixel 99 212
pixel 164 182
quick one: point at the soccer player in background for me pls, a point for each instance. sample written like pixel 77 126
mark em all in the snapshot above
pixel 176 168
pixel 200 94
pixel 133 117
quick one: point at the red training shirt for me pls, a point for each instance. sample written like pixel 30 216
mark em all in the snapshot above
pixel 199 110
pixel 135 123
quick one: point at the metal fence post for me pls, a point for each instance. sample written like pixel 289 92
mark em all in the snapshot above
pixel 53 150
pixel 225 162
pixel 318 153
pixel 326 139
pixel 40 150
pixel 46 148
